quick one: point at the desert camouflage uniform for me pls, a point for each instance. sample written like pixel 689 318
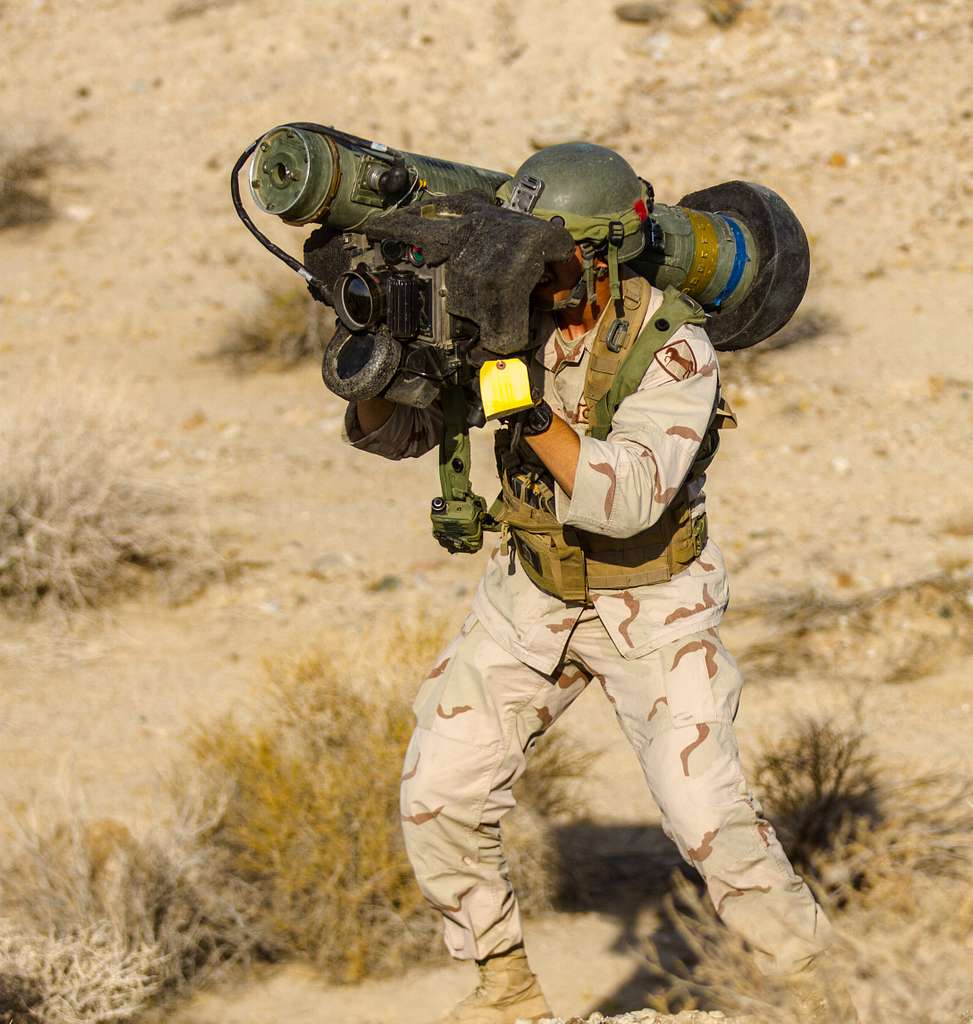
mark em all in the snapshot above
pixel 523 657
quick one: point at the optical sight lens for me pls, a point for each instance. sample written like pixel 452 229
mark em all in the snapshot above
pixel 360 300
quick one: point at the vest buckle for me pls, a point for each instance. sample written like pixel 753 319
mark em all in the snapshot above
pixel 617 335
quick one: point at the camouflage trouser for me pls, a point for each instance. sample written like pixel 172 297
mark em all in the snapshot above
pixel 479 713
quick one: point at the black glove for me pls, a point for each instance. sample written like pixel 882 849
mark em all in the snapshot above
pixel 531 422
pixel 537 419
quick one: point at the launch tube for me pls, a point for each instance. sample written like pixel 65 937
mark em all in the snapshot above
pixel 307 177
pixel 736 248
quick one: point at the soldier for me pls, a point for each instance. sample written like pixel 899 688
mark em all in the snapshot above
pixel 605 572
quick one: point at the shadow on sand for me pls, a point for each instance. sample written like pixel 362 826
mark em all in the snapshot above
pixel 624 871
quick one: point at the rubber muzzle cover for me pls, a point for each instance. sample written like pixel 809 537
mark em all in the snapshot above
pixel 785 262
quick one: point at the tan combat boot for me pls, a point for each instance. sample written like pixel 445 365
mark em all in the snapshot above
pixel 508 992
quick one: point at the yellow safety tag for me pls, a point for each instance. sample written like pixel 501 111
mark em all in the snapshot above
pixel 504 387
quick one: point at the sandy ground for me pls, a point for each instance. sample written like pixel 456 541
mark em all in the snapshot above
pixel 850 472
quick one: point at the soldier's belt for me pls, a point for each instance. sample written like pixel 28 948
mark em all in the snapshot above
pixel 570 563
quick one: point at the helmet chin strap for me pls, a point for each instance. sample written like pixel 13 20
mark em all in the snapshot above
pixel 584 287
pixel 578 297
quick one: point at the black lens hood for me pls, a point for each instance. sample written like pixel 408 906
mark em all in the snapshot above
pixel 360 365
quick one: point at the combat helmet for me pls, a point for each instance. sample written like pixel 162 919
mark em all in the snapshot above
pixel 595 194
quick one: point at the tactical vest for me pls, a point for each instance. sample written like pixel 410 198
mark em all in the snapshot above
pixel 569 562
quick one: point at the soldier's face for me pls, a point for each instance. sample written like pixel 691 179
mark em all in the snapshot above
pixel 557 281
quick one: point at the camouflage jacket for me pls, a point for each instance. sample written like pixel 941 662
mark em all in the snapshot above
pixel 622 485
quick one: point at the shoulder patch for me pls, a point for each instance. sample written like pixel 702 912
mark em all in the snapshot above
pixel 677 359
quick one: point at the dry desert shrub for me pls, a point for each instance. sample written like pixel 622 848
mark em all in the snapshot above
pixel 723 12
pixel 90 976
pixel 893 867
pixel 287 327
pixel 821 780
pixel 80 519
pixel 286 842
pixel 97 924
pixel 24 175
pixel 894 634
pixel 186 9
pixel 835 805
pixel 720 12
pixel 639 13
pixel 309 798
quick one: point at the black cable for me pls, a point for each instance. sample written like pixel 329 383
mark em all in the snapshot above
pixel 352 141
pixel 295 264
